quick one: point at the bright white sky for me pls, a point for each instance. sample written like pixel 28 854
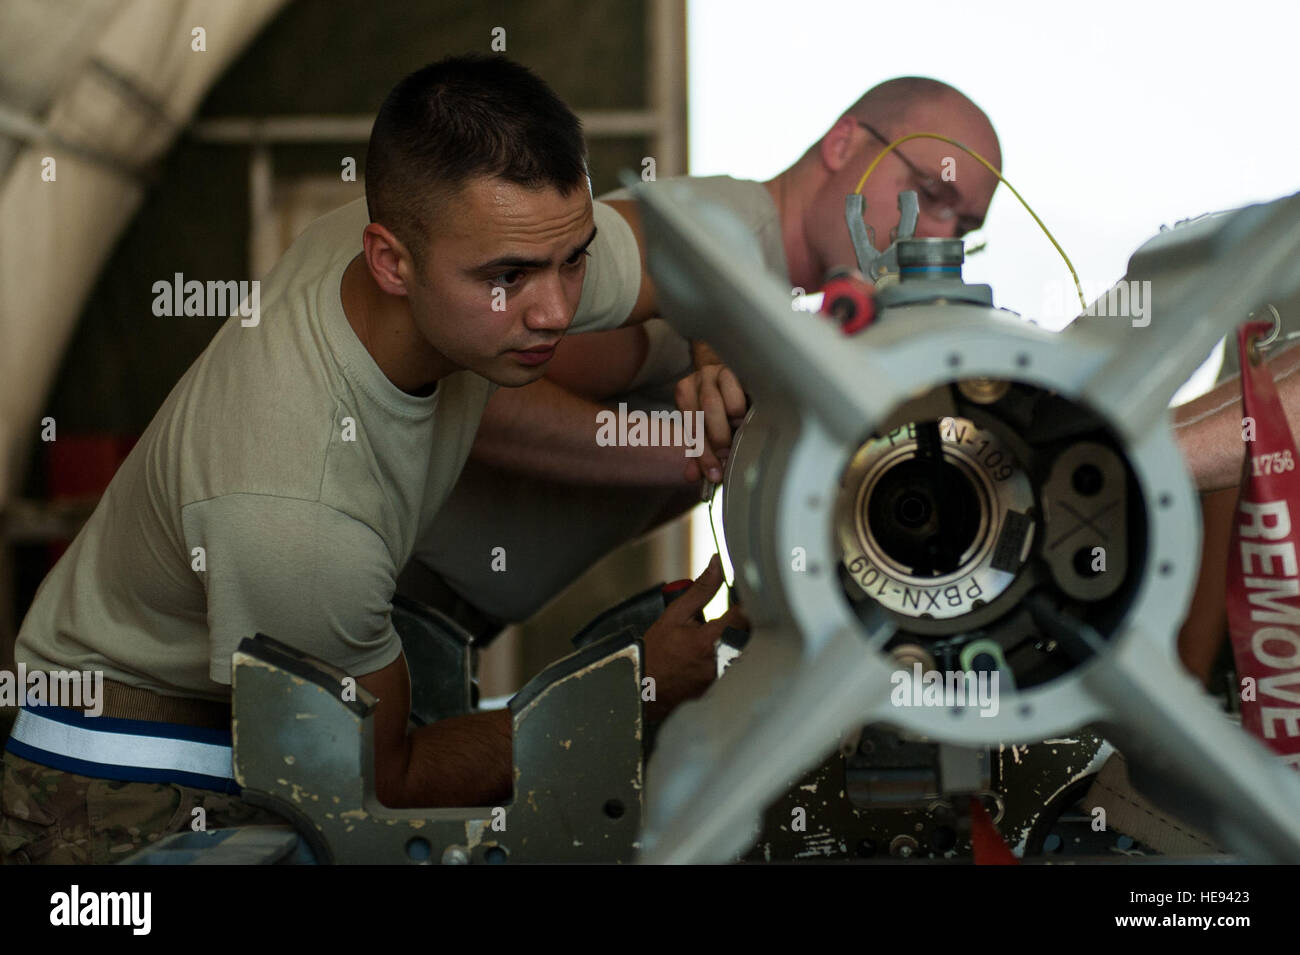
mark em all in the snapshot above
pixel 1114 117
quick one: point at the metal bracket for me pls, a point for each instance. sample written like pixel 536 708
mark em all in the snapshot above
pixel 303 747
pixel 871 263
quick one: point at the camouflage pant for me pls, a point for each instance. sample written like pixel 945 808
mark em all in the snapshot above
pixel 48 816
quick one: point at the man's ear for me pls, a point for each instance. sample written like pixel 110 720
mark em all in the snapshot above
pixel 839 144
pixel 390 262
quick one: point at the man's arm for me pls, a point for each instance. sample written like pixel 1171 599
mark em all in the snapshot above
pixel 600 365
pixel 548 432
pixel 462 761
pixel 469 760
pixel 713 388
pixel 1206 624
pixel 322 582
pixel 645 306
pixel 1208 429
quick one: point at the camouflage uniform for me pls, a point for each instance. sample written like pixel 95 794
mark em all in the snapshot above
pixel 48 816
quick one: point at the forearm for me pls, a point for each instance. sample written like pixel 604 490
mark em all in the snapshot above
pixel 599 365
pixel 545 431
pixel 461 761
pixel 1201 635
pixel 1209 429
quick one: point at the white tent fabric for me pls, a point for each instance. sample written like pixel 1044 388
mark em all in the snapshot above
pixel 103 87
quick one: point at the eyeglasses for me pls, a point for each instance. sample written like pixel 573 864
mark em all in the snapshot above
pixel 936 196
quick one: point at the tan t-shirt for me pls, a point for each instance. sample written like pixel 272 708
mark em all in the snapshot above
pixel 669 354
pixel 279 489
pixel 746 199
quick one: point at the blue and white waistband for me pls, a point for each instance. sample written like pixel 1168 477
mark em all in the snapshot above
pixel 130 750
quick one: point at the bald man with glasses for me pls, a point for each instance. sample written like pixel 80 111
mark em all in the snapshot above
pixel 550 532
pixel 953 193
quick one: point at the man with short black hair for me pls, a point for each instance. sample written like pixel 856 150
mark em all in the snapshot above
pixel 283 484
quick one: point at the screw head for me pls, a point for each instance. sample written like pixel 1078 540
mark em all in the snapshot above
pixel 902 847
pixel 455 855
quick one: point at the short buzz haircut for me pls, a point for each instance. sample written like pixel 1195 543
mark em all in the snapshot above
pixel 887 104
pixel 464 118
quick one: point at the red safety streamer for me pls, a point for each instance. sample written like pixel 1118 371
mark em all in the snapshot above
pixel 987 845
pixel 1263 573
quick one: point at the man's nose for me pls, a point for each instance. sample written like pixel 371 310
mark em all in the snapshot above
pixel 551 311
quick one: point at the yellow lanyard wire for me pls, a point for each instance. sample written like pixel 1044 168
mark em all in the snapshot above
pixel 990 167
